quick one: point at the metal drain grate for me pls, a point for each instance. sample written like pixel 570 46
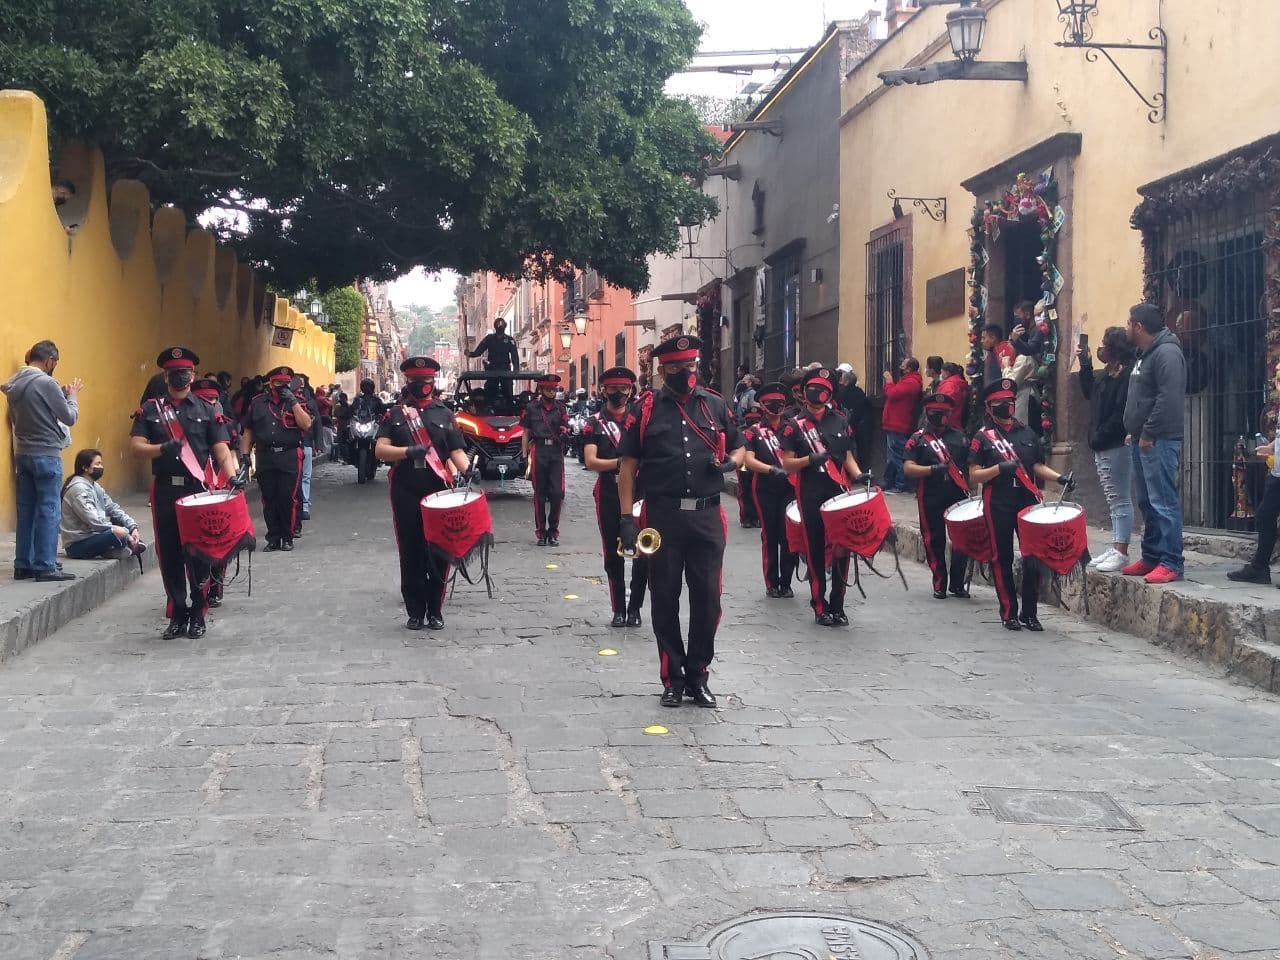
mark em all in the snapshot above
pixel 1086 809
pixel 795 936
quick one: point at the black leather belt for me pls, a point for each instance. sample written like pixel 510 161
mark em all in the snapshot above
pixel 545 442
pixel 279 448
pixel 173 480
pixel 686 503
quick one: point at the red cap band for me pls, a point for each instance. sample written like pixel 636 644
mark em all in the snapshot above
pixel 616 382
pixel 174 363
pixel 1000 395
pixel 679 356
pixel 821 381
pixel 777 394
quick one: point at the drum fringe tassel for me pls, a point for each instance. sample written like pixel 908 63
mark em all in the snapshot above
pixel 213 577
pixel 461 565
pixel 1056 580
pixel 892 540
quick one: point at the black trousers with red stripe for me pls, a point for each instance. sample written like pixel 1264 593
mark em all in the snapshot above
pixel 424 573
pixel 748 510
pixel 1002 521
pixel 548 488
pixel 177 571
pixel 692 552
pixel 772 497
pixel 278 477
pixel 815 538
pixel 609 517
pixel 933 531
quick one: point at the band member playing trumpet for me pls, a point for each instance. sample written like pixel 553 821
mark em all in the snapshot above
pixel 682 440
pixel 1007 458
pixel 818 450
pixel 772 489
pixel 936 456
pixel 602 435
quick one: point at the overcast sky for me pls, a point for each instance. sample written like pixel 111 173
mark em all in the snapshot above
pixel 729 25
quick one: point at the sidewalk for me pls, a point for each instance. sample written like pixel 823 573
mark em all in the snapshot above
pixel 31 611
pixel 1233 625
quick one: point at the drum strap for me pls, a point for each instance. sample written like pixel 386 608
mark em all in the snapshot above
pixel 814 439
pixel 1006 451
pixel 770 441
pixel 420 436
pixel 939 448
pixel 169 417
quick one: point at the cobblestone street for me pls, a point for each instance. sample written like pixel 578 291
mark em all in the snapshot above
pixel 312 780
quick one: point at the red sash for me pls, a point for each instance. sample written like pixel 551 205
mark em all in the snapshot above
pixel 1006 451
pixel 420 436
pixel 169 417
pixel 814 439
pixel 770 441
pixel 939 448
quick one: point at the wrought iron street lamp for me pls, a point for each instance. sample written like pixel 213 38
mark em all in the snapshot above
pixel 966 27
pixel 580 317
pixel 566 337
pixel 1076 17
pixel 1075 14
pixel 316 308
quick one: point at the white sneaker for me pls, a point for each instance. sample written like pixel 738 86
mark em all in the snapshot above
pixel 1113 562
pixel 1105 555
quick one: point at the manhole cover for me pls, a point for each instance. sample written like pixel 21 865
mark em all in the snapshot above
pixel 1088 809
pixel 795 936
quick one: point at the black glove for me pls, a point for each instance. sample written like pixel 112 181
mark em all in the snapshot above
pixel 287 397
pixel 462 479
pixel 727 467
pixel 240 479
pixel 171 448
pixel 777 473
pixel 415 453
pixel 1007 467
pixel 866 476
pixel 627 533
pixel 818 460
pixel 1067 481
pixel 938 469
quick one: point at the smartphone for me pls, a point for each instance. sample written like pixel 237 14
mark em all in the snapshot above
pixel 1084 343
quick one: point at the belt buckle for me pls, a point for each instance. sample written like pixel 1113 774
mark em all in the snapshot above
pixel 177 481
pixel 688 503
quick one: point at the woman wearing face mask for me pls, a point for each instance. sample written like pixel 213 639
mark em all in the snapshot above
pixel 818 447
pixel 419 438
pixel 1106 393
pixel 546 427
pixel 936 456
pixel 275 425
pixel 93 525
pixel 602 436
pixel 1007 458
pixel 773 490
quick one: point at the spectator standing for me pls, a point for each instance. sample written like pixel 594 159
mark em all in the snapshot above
pixel 932 374
pixel 1153 415
pixel 744 395
pixel 1258 570
pixel 955 386
pixel 41 413
pixel 93 525
pixel 898 420
pixel 996 353
pixel 852 399
pixel 1106 395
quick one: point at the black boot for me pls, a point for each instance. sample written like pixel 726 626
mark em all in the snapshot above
pixel 435 622
pixel 196 628
pixel 1031 623
pixel 413 623
pixel 177 628
pixel 633 618
pixel 671 697
pixel 1250 573
pixel 619 620
pixel 698 694
pixel 1012 625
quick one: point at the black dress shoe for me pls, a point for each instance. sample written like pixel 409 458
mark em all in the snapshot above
pixel 1250 574
pixel 824 620
pixel 700 695
pixel 773 593
pixel 24 574
pixel 195 629
pixel 542 541
pixel 1032 624
pixel 435 622
pixel 413 623
pixel 671 697
pixel 286 545
pixel 177 628
pixel 939 594
pixel 839 619
pixel 297 531
pixel 553 541
pixel 619 620
pixel 1012 625
pixel 960 592
pixel 633 618
pixel 215 601
pixel 786 593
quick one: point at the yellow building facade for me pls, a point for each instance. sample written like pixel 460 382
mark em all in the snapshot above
pixel 910 284
pixel 112 283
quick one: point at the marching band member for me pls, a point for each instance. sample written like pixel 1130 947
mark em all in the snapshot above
pixel 936 456
pixel 274 426
pixel 546 423
pixel 772 489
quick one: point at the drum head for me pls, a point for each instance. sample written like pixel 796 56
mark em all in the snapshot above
pixel 208 498
pixel 964 510
pixel 850 498
pixel 451 499
pixel 1053 513
pixel 793 512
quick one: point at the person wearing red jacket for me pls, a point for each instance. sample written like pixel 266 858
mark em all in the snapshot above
pixel 899 420
pixel 955 386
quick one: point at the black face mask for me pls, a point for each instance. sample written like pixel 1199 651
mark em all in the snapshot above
pixel 936 418
pixel 180 379
pixel 774 407
pixel 817 395
pixel 1002 410
pixel 683 383
pixel 96 474
pixel 617 398
pixel 421 391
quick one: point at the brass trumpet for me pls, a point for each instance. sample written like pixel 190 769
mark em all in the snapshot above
pixel 648 542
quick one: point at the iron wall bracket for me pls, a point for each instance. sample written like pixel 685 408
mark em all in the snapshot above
pixel 935 208
pixel 1157 104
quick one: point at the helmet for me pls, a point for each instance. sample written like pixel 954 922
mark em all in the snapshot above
pixel 845 368
pixel 580 392
pixel 366 386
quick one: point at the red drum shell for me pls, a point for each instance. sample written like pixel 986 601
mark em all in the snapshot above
pixel 1055 534
pixel 215 525
pixel 795 530
pixel 857 521
pixel 968 531
pixel 455 520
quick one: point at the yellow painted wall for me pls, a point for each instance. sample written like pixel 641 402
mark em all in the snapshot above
pixel 926 140
pixel 112 294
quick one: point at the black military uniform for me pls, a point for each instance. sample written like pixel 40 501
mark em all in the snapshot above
pixel 277 441
pixel 546 424
pixel 825 438
pixel 603 430
pixel 501 353
pixel 683 438
pixel 424 573
pixel 193 421
pixel 211 392
pixel 773 492
pixel 945 451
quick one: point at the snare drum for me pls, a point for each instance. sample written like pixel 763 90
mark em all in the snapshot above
pixel 795 530
pixel 1056 534
pixel 967 529
pixel 857 521
pixel 455 520
pixel 214 526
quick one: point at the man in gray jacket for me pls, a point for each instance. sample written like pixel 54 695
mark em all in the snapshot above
pixel 38 410
pixel 1153 414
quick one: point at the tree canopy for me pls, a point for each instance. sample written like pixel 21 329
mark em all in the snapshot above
pixel 345 308
pixel 358 138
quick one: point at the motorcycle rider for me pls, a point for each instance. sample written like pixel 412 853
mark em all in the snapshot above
pixel 500 353
pixel 367 407
pixel 579 406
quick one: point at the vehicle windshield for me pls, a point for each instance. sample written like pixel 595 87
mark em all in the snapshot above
pixel 483 397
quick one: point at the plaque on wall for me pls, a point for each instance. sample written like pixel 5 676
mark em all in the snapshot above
pixel 944 296
pixel 282 337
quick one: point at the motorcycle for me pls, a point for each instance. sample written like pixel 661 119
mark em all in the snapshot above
pixel 363 432
pixel 575 440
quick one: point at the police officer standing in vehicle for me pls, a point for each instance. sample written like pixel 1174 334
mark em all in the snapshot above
pixel 500 353
pixel 601 438
pixel 274 425
pixel 681 440
pixel 546 425
pixel 420 439
pixel 936 456
pixel 178 432
pixel 772 490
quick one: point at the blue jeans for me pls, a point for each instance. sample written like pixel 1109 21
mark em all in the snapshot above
pixel 39 512
pixel 895 449
pixel 1156 473
pixel 1115 473
pixel 308 457
pixel 95 545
